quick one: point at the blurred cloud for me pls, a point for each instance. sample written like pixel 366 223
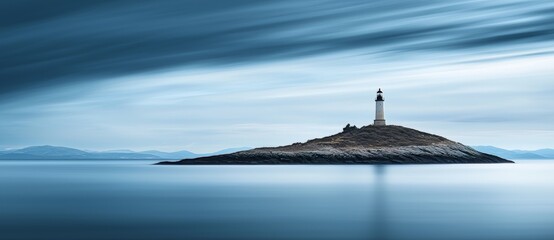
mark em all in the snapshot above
pixel 47 44
pixel 206 75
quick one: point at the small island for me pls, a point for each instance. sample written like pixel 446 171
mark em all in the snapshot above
pixel 373 144
pixel 367 145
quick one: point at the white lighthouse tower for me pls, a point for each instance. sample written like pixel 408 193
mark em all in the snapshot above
pixel 379 109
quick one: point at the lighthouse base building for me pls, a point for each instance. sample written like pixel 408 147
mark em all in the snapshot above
pixel 379 122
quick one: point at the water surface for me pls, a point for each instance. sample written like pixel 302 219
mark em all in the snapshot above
pixel 135 200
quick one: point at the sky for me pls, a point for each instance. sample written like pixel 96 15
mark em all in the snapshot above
pixel 206 75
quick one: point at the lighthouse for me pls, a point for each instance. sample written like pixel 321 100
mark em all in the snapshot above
pixel 379 109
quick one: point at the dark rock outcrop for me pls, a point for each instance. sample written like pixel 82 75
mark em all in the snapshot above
pixel 366 145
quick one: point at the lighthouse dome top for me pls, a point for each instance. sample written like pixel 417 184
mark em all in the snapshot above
pixel 379 95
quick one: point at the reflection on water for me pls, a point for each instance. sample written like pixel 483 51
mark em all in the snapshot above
pixel 379 207
pixel 135 200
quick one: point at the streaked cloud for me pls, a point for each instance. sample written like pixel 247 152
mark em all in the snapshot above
pixel 44 45
pixel 206 75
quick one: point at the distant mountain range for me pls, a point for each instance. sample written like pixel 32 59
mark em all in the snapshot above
pixel 55 153
pixel 60 153
pixel 517 154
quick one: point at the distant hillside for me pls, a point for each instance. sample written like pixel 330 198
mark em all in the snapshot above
pixel 61 153
pixel 549 153
pixel 172 155
pixel 517 154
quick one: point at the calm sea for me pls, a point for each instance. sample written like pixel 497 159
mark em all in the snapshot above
pixel 135 200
